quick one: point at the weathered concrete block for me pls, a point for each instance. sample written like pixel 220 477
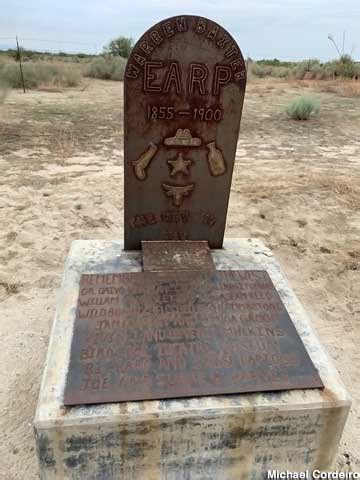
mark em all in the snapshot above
pixel 223 437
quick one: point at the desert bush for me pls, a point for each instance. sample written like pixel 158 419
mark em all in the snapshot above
pixel 346 70
pixel 280 72
pixel 276 63
pixel 4 88
pixel 324 72
pixel 302 108
pixel 120 46
pixel 344 67
pixel 261 71
pixel 312 69
pixel 345 88
pixel 107 68
pixel 10 74
pixel 39 73
pixel 279 69
pixel 307 67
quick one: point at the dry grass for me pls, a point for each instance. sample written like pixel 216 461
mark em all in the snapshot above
pixel 345 88
pixel 9 288
pixel 91 223
pixel 3 92
pixel 112 68
pixel 41 73
pixel 257 189
pixel 350 89
pixel 49 88
pixel 64 146
pixel 343 188
pixel 263 87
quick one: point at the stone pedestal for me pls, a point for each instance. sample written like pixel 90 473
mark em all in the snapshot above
pixel 223 437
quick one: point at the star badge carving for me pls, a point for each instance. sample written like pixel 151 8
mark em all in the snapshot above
pixel 179 165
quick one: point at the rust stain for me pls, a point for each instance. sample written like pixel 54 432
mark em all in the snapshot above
pixel 328 395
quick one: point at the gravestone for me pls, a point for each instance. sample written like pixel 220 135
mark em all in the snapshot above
pixel 184 91
pixel 183 361
pixel 186 332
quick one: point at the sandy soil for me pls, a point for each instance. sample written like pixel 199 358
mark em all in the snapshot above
pixel 296 186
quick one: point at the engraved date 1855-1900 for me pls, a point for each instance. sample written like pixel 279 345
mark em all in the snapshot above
pixel 168 112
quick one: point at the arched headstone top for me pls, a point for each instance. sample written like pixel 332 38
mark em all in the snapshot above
pixel 184 90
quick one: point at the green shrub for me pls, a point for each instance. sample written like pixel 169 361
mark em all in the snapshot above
pixel 261 71
pixel 301 108
pixel 307 67
pixel 311 69
pixel 280 72
pixel 119 70
pixel 344 67
pixel 100 68
pixel 70 77
pixel 324 73
pixel 4 88
pixel 10 74
pixel 39 73
pixel 110 68
pixel 276 63
pixel 120 46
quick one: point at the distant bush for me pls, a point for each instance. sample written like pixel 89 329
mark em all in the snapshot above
pixel 120 46
pixel 302 108
pixel 276 63
pixel 280 72
pixel 107 68
pixel 312 69
pixel 35 55
pixel 4 88
pixel 344 67
pixel 260 70
pixel 277 69
pixel 306 68
pixel 36 74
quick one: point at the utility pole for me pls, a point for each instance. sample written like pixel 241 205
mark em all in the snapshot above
pixel 21 70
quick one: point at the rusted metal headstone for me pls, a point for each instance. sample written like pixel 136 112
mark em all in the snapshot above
pixel 180 328
pixel 150 335
pixel 184 90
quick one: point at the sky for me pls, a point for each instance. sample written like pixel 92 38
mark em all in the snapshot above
pixel 284 29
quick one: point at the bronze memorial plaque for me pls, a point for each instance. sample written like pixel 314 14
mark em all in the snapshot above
pixel 160 256
pixel 184 89
pixel 156 335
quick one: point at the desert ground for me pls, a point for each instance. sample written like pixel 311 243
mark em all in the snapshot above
pixel 296 186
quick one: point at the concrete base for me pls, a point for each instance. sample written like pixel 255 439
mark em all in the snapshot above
pixel 223 437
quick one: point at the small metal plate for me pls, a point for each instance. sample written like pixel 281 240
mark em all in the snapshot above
pixel 153 335
pixel 161 256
